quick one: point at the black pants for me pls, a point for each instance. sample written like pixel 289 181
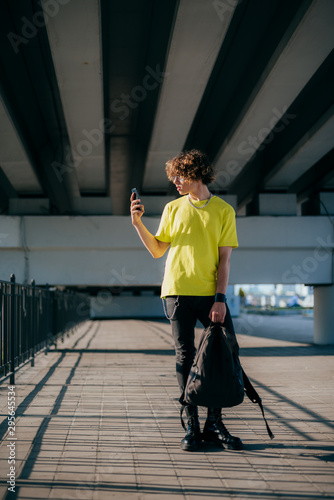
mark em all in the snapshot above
pixel 190 309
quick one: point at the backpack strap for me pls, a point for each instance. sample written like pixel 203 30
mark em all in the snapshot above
pixel 255 398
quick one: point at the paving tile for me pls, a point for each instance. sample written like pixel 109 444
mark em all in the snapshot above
pixel 106 425
pixel 34 492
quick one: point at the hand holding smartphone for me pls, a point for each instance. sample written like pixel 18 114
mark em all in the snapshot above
pixel 136 197
pixel 134 190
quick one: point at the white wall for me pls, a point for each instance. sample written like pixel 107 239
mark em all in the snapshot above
pixel 106 251
pixel 106 305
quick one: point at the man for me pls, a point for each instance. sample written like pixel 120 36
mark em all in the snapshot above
pixel 199 230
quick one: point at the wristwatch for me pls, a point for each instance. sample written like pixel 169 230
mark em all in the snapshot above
pixel 220 297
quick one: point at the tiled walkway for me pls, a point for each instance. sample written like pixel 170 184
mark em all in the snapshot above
pixel 98 419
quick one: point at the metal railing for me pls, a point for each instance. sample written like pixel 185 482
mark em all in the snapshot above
pixel 33 318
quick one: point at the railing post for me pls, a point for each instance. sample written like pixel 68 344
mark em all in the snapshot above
pixel 33 323
pixel 47 322
pixel 54 315
pixel 12 329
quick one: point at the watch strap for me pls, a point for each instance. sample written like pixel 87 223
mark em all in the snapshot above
pixel 220 297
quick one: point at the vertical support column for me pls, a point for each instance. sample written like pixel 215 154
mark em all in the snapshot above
pixel 33 320
pixel 12 328
pixel 324 314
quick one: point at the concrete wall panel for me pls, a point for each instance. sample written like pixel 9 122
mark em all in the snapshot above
pixel 106 251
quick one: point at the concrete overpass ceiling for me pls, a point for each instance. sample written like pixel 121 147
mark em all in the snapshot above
pixel 317 178
pixel 311 108
pixel 13 158
pixel 330 184
pixel 198 31
pixel 287 73
pixel 75 42
pixel 29 91
pixel 307 152
pixel 135 43
pixel 98 94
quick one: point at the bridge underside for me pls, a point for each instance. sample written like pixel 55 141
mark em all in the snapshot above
pixel 98 94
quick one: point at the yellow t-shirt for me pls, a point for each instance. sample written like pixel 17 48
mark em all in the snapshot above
pixel 195 235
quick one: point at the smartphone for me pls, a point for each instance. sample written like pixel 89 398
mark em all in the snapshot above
pixel 134 190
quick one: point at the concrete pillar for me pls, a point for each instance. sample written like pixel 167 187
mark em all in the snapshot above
pixel 324 314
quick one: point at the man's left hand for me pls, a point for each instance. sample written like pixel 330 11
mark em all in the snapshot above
pixel 218 312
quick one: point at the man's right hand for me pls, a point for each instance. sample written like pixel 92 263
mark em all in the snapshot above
pixel 155 247
pixel 136 210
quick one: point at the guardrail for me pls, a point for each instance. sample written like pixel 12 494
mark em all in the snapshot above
pixel 33 318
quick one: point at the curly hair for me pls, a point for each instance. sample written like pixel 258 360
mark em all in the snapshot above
pixel 191 165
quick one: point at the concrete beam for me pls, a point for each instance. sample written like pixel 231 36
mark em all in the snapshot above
pixel 299 60
pixel 29 206
pixel 13 158
pixel 186 80
pixel 154 205
pixel 76 51
pixel 315 144
pixel 277 204
pixel 326 203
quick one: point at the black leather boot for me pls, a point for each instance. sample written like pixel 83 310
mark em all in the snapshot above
pixel 192 439
pixel 215 431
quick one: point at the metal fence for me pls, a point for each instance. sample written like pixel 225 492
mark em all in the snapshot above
pixel 33 318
